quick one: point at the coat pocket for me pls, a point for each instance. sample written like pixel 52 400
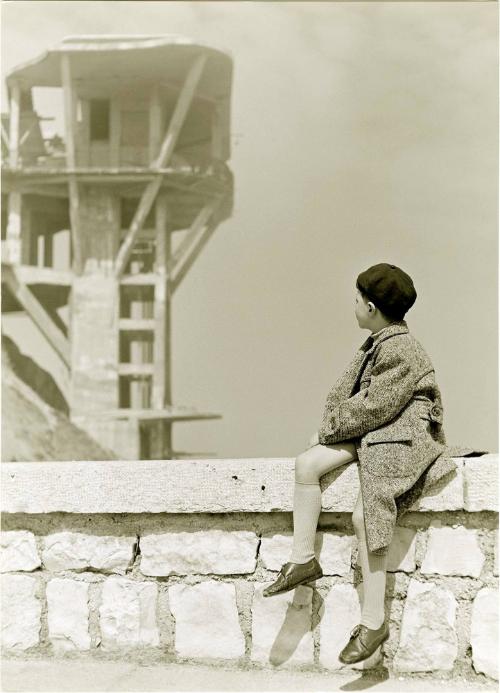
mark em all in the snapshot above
pixel 390 452
pixel 389 435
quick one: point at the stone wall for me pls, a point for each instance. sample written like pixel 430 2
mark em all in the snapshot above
pixel 167 560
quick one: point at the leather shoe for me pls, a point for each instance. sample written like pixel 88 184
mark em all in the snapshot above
pixel 293 574
pixel 363 643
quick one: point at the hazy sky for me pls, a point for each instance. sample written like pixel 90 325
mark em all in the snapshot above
pixel 362 132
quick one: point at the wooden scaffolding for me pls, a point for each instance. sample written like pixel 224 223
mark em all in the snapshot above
pixel 136 189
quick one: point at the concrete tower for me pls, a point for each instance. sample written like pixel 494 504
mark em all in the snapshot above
pixel 130 196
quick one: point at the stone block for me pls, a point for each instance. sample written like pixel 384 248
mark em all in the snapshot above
pixel 68 614
pixel 77 551
pixel 275 550
pixel 335 552
pixel 206 620
pixel 214 551
pixel 428 640
pixel 332 549
pixel 447 493
pixel 340 612
pixel 19 551
pixel 480 483
pixel 453 552
pixel 401 555
pixel 484 632
pixel 281 627
pixel 171 486
pixel 340 489
pixel 128 613
pixel 21 612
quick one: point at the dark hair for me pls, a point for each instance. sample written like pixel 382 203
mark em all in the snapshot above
pixel 367 298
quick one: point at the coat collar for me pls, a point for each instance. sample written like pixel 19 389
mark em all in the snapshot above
pixel 399 327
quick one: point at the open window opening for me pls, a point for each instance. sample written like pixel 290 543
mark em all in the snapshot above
pixel 99 120
pixel 48 106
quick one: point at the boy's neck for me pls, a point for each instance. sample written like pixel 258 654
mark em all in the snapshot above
pixel 380 325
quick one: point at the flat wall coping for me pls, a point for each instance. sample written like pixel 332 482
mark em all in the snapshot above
pixel 213 486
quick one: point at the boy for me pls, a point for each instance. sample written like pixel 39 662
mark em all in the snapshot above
pixel 385 413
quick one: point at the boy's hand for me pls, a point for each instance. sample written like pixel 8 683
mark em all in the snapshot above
pixel 314 440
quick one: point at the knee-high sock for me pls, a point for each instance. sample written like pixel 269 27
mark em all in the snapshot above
pixel 373 569
pixel 306 511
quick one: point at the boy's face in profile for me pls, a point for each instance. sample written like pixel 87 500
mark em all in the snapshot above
pixel 361 312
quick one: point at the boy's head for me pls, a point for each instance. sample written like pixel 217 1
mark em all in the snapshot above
pixel 385 294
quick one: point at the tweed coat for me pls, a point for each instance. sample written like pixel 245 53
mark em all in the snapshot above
pixel 388 404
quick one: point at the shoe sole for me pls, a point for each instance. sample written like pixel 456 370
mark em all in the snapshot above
pixel 356 661
pixel 304 581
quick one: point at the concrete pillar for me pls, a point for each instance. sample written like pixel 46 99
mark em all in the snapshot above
pixel 13 240
pixel 156 125
pixel 99 228
pixel 94 344
pixel 14 121
pixel 94 306
pixel 162 391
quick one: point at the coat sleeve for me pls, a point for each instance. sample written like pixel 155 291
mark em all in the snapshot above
pixel 391 387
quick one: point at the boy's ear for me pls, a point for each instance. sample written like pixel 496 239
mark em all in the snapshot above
pixel 371 307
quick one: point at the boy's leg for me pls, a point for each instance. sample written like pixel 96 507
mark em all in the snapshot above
pixel 373 569
pixel 309 468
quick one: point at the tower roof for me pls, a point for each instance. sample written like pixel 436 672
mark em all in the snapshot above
pixel 127 58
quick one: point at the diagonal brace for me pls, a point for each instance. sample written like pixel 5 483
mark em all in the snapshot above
pixel 37 312
pixel 167 148
pixel 188 260
pixel 198 224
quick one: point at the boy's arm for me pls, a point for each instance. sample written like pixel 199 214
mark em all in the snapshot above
pixel 391 388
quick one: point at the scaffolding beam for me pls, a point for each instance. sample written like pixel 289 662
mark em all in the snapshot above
pixel 162 391
pixel 69 123
pixel 14 230
pixel 149 195
pixel 37 312
pixel 189 258
pixel 198 224
pixel 14 123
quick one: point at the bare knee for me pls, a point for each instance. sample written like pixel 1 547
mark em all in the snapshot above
pixel 305 471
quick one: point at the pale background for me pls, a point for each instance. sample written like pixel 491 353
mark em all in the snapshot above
pixel 362 132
